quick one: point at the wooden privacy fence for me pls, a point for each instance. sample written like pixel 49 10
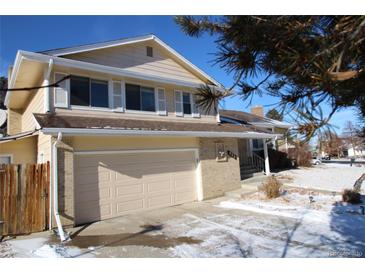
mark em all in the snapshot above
pixel 24 198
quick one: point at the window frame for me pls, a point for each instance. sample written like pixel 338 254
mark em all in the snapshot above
pixel 258 148
pixel 190 103
pixel 140 98
pixel 147 51
pixel 72 106
pixel 9 156
pixel 107 92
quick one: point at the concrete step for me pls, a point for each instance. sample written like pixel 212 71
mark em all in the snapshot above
pixel 239 193
pixel 257 179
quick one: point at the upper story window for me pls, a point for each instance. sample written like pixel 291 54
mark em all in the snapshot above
pixel 88 92
pixel 140 98
pixel 149 51
pixel 186 103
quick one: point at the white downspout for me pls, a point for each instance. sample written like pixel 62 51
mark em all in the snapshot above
pixel 267 163
pixel 47 90
pixel 55 188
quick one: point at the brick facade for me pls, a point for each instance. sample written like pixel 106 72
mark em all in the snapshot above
pixel 218 177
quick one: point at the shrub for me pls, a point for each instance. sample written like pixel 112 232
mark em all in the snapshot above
pixel 277 159
pixel 271 187
pixel 351 196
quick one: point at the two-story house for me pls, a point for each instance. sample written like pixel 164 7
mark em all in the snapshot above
pixel 121 130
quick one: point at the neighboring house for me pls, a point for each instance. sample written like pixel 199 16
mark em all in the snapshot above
pixel 250 149
pixel 349 151
pixel 123 132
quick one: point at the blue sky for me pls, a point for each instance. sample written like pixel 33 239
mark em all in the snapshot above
pixel 36 33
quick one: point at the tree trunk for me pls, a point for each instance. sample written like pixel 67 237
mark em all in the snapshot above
pixel 358 183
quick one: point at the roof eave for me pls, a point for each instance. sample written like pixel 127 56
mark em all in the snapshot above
pixel 147 133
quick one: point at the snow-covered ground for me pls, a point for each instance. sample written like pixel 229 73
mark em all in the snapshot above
pixel 300 223
pixel 333 177
pixel 289 226
pixel 40 247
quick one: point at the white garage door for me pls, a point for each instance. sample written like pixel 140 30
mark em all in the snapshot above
pixel 110 185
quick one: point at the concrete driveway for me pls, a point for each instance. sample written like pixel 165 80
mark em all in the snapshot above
pixel 203 229
pixel 148 234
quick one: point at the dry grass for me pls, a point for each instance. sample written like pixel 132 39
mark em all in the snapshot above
pixel 350 196
pixel 271 187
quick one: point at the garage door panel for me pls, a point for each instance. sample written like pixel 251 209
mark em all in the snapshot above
pixel 114 184
pixel 158 186
pixel 159 201
pixel 129 189
pixel 133 205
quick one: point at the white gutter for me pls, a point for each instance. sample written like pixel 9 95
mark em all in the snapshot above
pixel 47 90
pixel 131 132
pixel 270 124
pixel 55 188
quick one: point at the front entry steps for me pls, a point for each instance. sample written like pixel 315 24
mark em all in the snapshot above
pixel 248 186
pixel 249 171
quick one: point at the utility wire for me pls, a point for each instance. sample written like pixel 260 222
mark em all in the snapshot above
pixel 56 84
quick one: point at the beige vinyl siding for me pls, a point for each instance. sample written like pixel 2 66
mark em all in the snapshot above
pixel 35 105
pixel 135 59
pixel 14 124
pixel 44 146
pixel 23 151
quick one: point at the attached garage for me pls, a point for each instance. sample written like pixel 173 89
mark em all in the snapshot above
pixel 111 184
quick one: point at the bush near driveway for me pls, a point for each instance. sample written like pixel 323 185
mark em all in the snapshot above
pixel 351 196
pixel 271 187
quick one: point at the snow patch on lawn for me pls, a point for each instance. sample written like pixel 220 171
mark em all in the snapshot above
pixel 289 226
pixel 333 177
pixel 299 213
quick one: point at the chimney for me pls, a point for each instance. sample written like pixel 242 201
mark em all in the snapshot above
pixel 258 110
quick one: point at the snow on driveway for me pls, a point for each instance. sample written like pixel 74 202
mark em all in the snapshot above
pixel 333 177
pixel 290 226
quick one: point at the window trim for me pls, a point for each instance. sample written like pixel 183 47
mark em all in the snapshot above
pixel 8 155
